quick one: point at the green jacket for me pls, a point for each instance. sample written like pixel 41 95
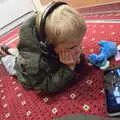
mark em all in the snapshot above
pixel 37 66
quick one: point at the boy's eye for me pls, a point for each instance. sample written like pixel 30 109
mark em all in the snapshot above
pixel 73 47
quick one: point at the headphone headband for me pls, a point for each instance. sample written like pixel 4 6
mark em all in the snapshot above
pixel 48 11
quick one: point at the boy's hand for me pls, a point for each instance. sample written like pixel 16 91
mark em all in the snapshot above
pixel 67 58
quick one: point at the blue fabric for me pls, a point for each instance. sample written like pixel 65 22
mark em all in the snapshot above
pixel 107 50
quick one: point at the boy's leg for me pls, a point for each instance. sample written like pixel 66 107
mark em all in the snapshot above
pixel 9 62
pixel 6 50
pixel 8 57
pixel 37 4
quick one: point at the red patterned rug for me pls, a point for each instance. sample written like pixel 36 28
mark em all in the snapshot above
pixel 101 12
pixel 111 7
pixel 86 97
pixel 107 16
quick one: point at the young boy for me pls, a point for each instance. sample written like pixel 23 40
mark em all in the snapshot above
pixel 48 64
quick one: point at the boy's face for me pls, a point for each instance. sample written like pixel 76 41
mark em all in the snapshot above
pixel 73 47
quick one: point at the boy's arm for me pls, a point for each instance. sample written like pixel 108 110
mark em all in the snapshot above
pixel 42 73
pixel 57 77
pixel 59 80
pixel 28 40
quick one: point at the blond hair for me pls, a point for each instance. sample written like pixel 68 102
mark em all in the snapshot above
pixel 63 24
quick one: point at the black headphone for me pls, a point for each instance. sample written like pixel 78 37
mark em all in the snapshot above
pixel 47 12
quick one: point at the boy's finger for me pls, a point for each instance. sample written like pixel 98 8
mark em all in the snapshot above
pixel 70 58
pixel 65 54
pixel 62 52
pixel 60 56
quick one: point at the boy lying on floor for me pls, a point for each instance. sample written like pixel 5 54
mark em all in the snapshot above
pixel 49 48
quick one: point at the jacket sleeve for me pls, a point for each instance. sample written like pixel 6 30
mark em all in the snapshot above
pixel 41 73
pixel 57 77
pixel 28 40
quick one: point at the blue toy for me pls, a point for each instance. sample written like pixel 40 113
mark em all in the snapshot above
pixel 107 50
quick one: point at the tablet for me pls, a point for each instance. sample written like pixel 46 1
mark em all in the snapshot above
pixel 112 92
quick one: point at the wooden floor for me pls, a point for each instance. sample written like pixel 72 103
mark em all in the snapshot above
pixel 82 3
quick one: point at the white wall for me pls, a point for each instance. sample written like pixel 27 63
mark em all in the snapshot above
pixel 12 9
